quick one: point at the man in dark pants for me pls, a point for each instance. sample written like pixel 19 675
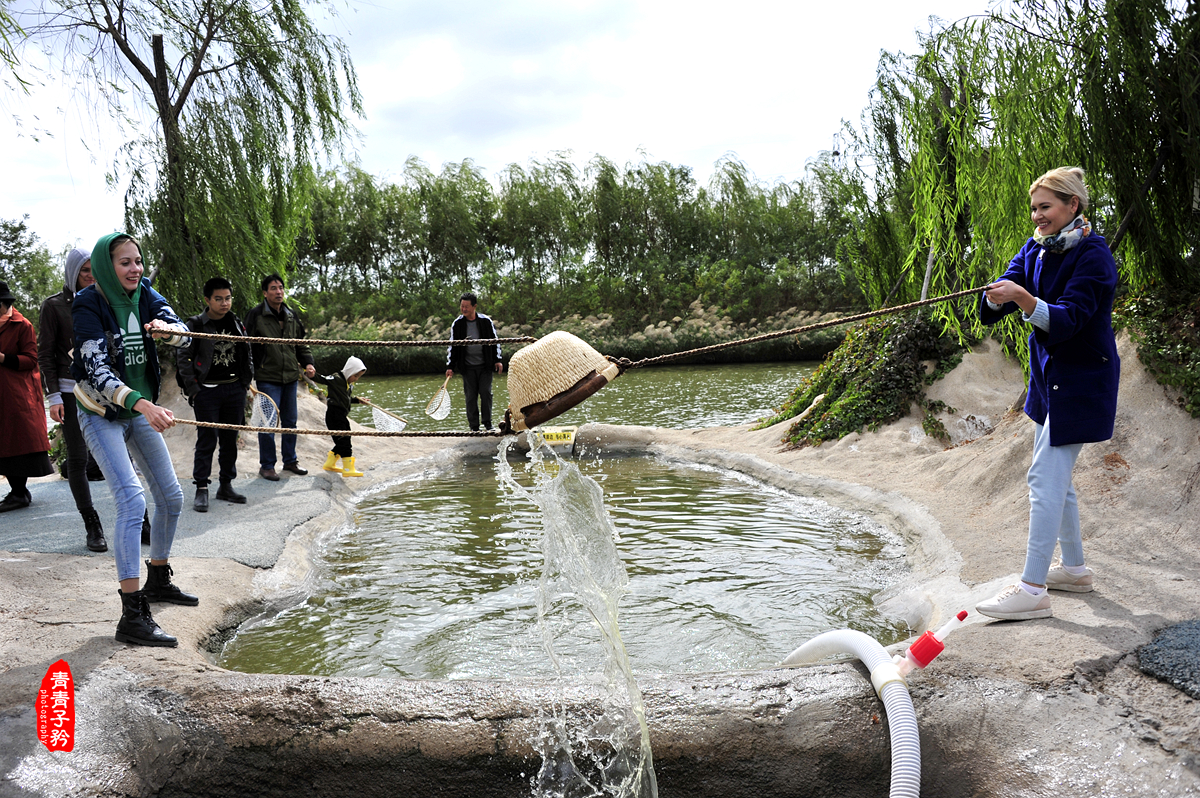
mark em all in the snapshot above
pixel 277 369
pixel 476 362
pixel 55 344
pixel 215 376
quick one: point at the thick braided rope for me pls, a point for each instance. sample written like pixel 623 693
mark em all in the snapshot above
pixel 626 364
pixel 250 339
pixel 364 433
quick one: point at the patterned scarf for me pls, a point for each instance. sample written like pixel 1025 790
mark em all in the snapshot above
pixel 1067 237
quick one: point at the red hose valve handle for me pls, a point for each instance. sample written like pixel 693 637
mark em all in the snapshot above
pixel 925 649
pixel 929 645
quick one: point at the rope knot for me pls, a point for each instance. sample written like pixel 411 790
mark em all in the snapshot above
pixel 622 362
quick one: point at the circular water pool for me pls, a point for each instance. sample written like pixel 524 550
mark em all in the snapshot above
pixel 677 397
pixel 439 577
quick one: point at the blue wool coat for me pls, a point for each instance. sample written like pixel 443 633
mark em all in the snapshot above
pixel 1073 368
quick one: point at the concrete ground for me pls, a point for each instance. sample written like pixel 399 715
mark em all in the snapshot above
pixel 1051 707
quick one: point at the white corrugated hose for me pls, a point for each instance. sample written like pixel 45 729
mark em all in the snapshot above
pixel 892 690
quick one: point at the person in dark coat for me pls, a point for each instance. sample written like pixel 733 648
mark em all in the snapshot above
pixel 24 446
pixel 56 340
pixel 1063 282
pixel 215 376
pixel 475 362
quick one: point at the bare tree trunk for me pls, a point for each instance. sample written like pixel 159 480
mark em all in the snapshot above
pixel 928 273
pixel 174 178
pixel 1158 165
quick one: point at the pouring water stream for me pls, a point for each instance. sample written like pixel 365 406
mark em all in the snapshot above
pixel 582 581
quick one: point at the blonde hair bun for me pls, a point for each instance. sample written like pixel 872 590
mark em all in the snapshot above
pixel 1065 182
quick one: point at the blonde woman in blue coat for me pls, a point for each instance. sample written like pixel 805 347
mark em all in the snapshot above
pixel 1062 281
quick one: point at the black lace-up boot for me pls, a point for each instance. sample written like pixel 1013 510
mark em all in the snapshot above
pixel 159 587
pixel 95 531
pixel 137 625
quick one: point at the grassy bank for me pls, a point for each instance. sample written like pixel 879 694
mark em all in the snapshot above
pixel 877 373
pixel 872 379
pixel 1166 328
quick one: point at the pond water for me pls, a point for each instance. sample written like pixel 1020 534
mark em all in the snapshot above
pixel 439 575
pixel 439 578
pixel 676 397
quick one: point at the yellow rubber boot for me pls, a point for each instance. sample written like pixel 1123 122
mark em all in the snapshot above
pixel 331 463
pixel 348 468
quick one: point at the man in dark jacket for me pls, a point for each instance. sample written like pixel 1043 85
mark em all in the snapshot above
pixel 215 375
pixel 277 369
pixel 475 362
pixel 56 339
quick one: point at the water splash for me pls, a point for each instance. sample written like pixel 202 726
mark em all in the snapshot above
pixel 582 581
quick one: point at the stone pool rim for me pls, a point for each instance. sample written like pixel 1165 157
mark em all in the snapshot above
pixel 188 726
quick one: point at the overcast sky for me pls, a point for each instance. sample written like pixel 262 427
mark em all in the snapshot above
pixel 504 82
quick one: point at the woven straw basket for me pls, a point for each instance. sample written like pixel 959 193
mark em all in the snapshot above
pixel 553 375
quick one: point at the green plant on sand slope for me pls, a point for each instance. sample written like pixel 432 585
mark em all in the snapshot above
pixel 1167 332
pixel 873 378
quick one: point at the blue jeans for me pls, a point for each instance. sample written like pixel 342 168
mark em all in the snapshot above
pixel 285 396
pixel 1053 508
pixel 112 443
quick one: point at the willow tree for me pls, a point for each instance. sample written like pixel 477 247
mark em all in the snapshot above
pixel 242 95
pixel 1138 68
pixel 993 102
pixel 869 185
pixel 541 224
pixel 10 33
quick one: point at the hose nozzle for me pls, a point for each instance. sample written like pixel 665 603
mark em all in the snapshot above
pixel 928 646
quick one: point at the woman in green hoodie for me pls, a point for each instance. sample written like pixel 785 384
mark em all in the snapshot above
pixel 115 368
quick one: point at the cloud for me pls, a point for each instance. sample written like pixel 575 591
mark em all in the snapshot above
pixel 487 75
pixel 504 82
pixel 491 29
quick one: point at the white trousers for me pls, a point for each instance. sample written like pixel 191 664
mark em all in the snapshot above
pixel 1053 509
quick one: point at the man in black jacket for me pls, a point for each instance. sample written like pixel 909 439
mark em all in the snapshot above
pixel 56 341
pixel 215 376
pixel 475 362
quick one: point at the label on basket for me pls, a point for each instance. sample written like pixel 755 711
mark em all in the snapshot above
pixel 558 436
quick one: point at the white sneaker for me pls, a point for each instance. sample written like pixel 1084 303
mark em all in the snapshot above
pixel 1015 604
pixel 1060 579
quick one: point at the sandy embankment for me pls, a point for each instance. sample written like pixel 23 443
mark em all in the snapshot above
pixel 1010 709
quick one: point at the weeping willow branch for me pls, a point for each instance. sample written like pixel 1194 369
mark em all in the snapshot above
pixel 988 104
pixel 1158 165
